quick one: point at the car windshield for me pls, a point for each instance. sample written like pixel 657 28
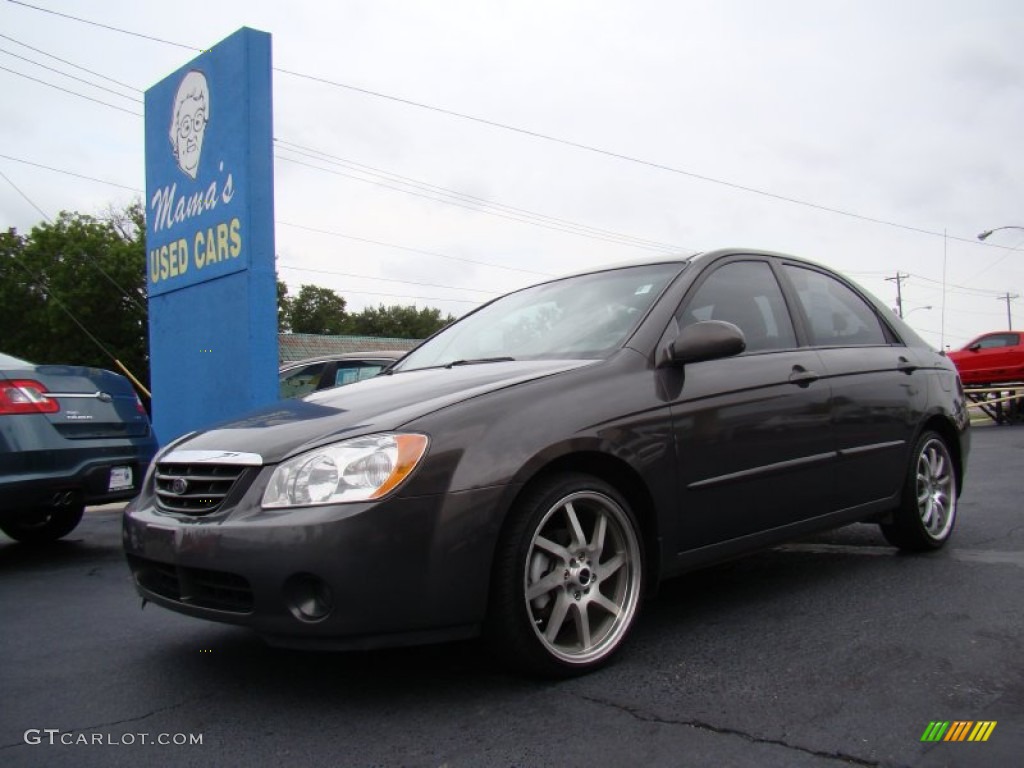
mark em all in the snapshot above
pixel 587 316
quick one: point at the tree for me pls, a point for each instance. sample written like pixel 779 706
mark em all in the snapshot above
pixel 74 291
pixel 284 307
pixel 398 322
pixel 317 310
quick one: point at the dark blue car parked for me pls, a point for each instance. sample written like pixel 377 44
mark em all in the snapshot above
pixel 69 436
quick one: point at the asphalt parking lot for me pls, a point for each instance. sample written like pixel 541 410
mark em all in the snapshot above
pixel 836 650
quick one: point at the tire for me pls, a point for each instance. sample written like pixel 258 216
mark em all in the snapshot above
pixel 568 578
pixel 43 525
pixel 926 516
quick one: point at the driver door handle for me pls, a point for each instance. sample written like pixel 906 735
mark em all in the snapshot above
pixel 802 377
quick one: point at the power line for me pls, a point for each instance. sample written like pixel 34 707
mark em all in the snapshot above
pixel 547 137
pixel 407 296
pixel 998 261
pixel 477 202
pixel 26 197
pixel 621 156
pixel 476 208
pixel 290 224
pixel 72 77
pixel 71 64
pixel 384 279
pixel 66 90
pixel 71 173
pixel 410 250
pixel 993 313
pixel 961 288
pixel 104 26
pixel 954 288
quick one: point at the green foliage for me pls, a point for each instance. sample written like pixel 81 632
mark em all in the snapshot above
pixel 317 310
pixel 284 307
pixel 322 311
pixel 398 322
pixel 77 268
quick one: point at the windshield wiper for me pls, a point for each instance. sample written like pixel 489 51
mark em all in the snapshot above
pixel 454 363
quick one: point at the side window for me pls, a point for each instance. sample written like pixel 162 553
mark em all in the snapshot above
pixel 998 340
pixel 837 315
pixel 351 373
pixel 301 381
pixel 746 294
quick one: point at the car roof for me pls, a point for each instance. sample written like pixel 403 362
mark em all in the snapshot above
pixel 696 256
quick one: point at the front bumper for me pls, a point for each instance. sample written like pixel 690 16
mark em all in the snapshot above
pixel 403 570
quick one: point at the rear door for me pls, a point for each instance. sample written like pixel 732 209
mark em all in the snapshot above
pixel 878 395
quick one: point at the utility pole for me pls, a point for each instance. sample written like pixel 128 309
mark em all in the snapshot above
pixel 1008 297
pixel 900 277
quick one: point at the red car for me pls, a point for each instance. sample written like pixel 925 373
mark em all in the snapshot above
pixel 993 358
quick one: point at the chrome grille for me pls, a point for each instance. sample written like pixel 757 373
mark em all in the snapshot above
pixel 196 488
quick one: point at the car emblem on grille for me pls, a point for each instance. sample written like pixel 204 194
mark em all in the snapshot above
pixel 179 486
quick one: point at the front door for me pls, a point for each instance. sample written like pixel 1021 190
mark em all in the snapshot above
pixel 753 434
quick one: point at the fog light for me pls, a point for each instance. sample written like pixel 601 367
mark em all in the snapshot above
pixel 308 597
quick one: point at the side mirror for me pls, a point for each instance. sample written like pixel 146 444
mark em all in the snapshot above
pixel 974 347
pixel 707 340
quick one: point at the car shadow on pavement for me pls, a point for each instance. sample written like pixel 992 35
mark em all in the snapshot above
pixel 16 556
pixel 721 594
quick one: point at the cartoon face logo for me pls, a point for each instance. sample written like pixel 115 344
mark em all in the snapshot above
pixel 188 121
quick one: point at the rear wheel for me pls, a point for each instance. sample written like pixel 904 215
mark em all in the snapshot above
pixel 568 577
pixel 44 524
pixel 927 513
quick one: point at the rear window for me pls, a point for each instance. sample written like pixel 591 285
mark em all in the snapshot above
pixel 350 374
pixel 837 315
pixel 9 361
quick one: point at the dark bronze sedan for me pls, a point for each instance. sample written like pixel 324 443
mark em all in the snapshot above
pixel 533 470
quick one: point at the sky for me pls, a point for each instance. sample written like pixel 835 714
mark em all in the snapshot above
pixel 462 149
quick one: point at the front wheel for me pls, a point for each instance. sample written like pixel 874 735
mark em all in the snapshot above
pixel 43 525
pixel 927 513
pixel 568 577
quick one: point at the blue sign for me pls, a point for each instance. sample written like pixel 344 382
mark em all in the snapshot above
pixel 210 237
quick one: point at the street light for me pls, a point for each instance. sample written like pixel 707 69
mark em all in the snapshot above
pixel 929 306
pixel 1007 297
pixel 988 232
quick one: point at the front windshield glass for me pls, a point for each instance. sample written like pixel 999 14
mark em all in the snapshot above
pixel 587 316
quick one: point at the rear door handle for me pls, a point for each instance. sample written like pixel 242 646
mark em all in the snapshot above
pixel 802 377
pixel 905 366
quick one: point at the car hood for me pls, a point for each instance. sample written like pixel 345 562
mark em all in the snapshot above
pixel 379 404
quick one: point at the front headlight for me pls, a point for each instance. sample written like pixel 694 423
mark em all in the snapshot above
pixel 361 469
